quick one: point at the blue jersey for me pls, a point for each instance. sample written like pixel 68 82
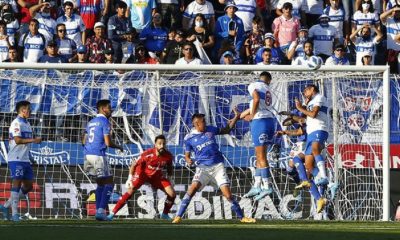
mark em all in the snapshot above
pixel 154 38
pixel 204 145
pixel 95 131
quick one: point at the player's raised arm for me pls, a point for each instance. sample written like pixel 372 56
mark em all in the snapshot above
pixel 231 123
pixel 309 93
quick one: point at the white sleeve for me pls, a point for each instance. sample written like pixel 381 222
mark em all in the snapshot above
pixel 251 88
pixel 15 129
pixel 319 100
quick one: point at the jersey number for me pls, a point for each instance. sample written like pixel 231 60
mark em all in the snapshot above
pixel 91 134
pixel 268 98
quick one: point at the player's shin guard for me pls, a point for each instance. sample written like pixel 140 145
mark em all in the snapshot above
pixel 169 202
pixel 14 200
pixel 314 191
pixel 321 165
pixel 294 174
pixel 265 176
pixel 257 178
pixel 300 168
pixel 184 204
pixel 99 193
pixel 105 197
pixel 236 208
pixel 121 202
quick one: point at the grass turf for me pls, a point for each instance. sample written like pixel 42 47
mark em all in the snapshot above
pixel 192 229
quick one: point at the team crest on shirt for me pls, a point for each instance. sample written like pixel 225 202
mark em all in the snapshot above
pixel 209 134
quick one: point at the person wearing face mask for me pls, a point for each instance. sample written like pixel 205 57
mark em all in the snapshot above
pixel 365 14
pixel 195 7
pixel 47 25
pixel 202 33
pixel 364 42
pixel 338 57
pixel 324 37
pixel 391 19
pixel 296 47
pixel 337 15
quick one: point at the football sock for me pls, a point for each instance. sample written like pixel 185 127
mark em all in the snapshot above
pixel 236 208
pixel 14 200
pixel 314 191
pixel 99 192
pixel 294 174
pixel 257 178
pixel 121 202
pixel 321 165
pixel 169 202
pixel 105 197
pixel 184 204
pixel 300 168
pixel 265 176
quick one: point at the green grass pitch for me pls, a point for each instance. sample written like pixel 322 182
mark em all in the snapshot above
pixel 193 229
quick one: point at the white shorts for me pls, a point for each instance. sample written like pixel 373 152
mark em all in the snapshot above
pixel 297 148
pixel 215 174
pixel 96 166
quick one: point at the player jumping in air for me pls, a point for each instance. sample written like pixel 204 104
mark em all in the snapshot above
pixel 262 131
pixel 96 140
pixel 148 168
pixel 210 163
pixel 21 137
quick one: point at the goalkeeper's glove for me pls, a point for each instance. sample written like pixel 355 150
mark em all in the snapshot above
pixel 128 183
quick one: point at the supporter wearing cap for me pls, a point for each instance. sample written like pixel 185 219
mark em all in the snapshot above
pixel 118 26
pixel 269 42
pixel 228 57
pixel 366 59
pixel 199 6
pixel 296 47
pixel 285 27
pixel 337 15
pixel 296 10
pixel 47 24
pixel 97 44
pixel 66 46
pixel 229 27
pixel 52 55
pixel 391 19
pixel 364 42
pixel 82 54
pixel 338 57
pixel 74 25
pixel 173 49
pixel 324 37
pixel 109 55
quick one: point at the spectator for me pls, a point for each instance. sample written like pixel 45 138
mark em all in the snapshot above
pixel 312 9
pixel 25 15
pixel 230 27
pixel 337 15
pixel 155 36
pixel 254 41
pixel 188 56
pixel 66 46
pixel 227 45
pixel 171 34
pixel 228 58
pixel 267 57
pixel 296 48
pixel 246 11
pixel 269 42
pixel 202 33
pixel 32 44
pixel 296 7
pixel 173 49
pixel 324 37
pixel 97 44
pixel 308 55
pixel 118 27
pixel 47 25
pixel 109 55
pixel 391 19
pixel 140 13
pixel 366 59
pixel 82 56
pixel 365 15
pixel 12 3
pixel 285 28
pixel 91 12
pixel 143 56
pixel 52 55
pixel 338 58
pixel 4 42
pixel 128 47
pixel 12 24
pixel 364 42
pixel 198 6
pixel 171 12
pixel 12 55
pixel 73 23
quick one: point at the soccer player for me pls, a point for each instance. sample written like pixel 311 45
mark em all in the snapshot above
pixel 262 131
pixel 148 168
pixel 96 140
pixel 21 137
pixel 317 134
pixel 210 163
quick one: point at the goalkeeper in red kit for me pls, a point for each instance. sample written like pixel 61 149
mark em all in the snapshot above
pixel 148 169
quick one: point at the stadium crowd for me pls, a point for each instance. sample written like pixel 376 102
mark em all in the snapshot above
pixel 360 32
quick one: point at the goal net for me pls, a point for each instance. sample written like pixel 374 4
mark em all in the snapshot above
pixel 153 101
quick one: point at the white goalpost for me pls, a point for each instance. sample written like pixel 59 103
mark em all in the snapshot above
pixel 159 99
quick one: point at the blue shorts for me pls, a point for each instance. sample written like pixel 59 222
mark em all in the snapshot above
pixel 316 136
pixel 21 170
pixel 262 131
